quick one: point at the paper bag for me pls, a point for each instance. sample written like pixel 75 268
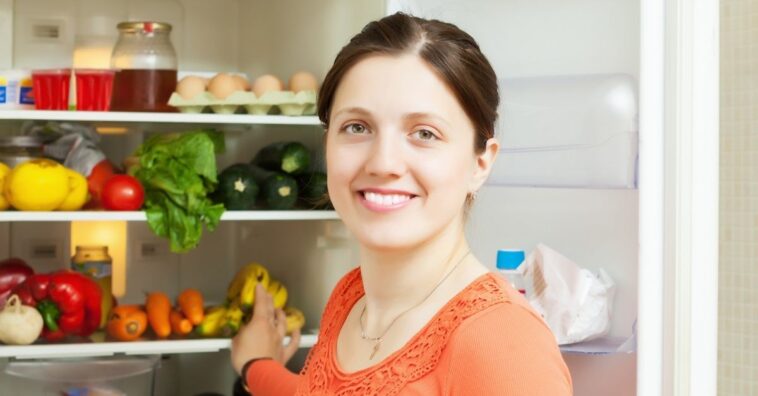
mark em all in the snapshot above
pixel 575 303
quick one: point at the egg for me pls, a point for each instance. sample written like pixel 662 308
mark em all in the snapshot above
pixel 266 83
pixel 242 83
pixel 222 85
pixel 303 81
pixel 190 86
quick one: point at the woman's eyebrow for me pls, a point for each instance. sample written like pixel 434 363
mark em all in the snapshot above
pixel 355 110
pixel 430 116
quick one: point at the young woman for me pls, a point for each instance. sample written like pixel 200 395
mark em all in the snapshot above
pixel 409 108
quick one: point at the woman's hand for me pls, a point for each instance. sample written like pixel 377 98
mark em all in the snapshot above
pixel 264 334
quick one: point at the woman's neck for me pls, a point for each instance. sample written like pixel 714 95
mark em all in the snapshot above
pixel 394 281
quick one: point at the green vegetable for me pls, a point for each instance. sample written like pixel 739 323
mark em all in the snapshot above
pixel 178 172
pixel 313 189
pixel 288 157
pixel 279 191
pixel 237 189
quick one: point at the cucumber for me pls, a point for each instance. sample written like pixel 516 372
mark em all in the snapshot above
pixel 278 191
pixel 237 188
pixel 288 157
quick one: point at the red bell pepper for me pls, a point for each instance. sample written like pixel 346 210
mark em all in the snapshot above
pixel 68 301
pixel 12 272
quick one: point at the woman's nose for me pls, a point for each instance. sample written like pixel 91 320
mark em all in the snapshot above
pixel 386 157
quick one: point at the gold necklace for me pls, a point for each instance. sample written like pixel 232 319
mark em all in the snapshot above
pixel 378 340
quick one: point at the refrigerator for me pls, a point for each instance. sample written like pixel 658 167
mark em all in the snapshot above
pixel 568 175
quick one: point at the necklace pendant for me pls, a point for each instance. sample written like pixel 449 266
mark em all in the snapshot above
pixel 376 349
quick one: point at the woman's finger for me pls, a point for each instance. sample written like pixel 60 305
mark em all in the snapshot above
pixel 262 308
pixel 281 322
pixel 291 348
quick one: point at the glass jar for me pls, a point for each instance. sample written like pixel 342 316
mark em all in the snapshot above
pixel 146 67
pixel 95 262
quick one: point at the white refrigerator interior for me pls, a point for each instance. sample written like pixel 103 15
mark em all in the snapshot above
pixel 575 62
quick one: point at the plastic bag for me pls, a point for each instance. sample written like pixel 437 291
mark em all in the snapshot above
pixel 74 145
pixel 575 303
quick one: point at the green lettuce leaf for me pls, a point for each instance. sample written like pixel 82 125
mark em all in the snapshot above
pixel 178 172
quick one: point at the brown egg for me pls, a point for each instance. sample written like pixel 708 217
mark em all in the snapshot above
pixel 303 81
pixel 190 86
pixel 242 83
pixel 266 83
pixel 222 85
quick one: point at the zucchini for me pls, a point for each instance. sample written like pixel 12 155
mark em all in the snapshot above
pixel 288 157
pixel 278 191
pixel 313 189
pixel 237 188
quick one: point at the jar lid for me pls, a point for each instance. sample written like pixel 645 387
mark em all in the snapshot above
pixel 21 141
pixel 92 247
pixel 147 27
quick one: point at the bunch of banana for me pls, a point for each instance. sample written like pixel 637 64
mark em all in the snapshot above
pixel 232 320
pixel 295 319
pixel 242 287
pixel 211 325
pixel 278 292
pixel 240 298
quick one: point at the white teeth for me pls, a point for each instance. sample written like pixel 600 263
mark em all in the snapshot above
pixel 386 200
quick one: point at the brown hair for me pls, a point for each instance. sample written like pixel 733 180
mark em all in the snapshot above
pixel 450 51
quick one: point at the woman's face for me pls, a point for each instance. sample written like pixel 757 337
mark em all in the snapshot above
pixel 400 153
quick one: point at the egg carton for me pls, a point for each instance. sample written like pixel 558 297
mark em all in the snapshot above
pixel 272 102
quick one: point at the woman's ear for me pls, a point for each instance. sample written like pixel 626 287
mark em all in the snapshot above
pixel 484 162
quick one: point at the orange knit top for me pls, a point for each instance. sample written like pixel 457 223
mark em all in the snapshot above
pixel 485 341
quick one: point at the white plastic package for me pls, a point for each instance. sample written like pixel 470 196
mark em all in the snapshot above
pixel 575 303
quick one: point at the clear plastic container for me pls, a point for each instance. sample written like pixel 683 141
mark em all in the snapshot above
pixel 108 376
pixel 18 149
pixel 509 265
pixel 51 89
pixel 94 88
pixel 146 66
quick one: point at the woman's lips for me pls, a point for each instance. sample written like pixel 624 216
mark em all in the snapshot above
pixel 384 201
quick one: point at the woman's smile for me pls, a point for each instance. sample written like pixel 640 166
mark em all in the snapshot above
pixel 384 200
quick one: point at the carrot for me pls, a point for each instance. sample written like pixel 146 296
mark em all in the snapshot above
pixel 191 303
pixel 179 324
pixel 126 323
pixel 158 307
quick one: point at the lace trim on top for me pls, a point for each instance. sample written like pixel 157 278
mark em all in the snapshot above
pixel 417 358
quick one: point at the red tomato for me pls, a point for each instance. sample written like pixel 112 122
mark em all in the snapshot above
pixel 96 180
pixel 122 192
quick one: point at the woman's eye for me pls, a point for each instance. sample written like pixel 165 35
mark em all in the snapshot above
pixel 425 134
pixel 355 129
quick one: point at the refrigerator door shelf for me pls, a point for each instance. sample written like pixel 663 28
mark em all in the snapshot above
pixel 602 346
pixel 568 131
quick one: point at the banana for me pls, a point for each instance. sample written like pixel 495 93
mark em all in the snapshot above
pixel 295 319
pixel 278 292
pixel 235 286
pixel 232 320
pixel 258 274
pixel 211 324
